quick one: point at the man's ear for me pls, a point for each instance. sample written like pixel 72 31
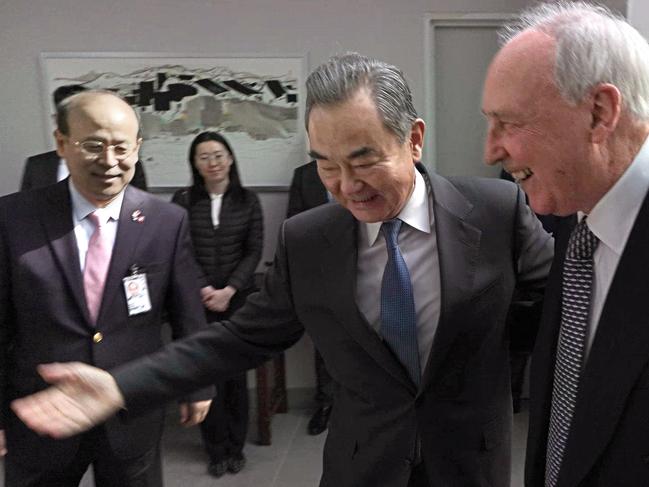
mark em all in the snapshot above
pixel 417 139
pixel 605 111
pixel 60 143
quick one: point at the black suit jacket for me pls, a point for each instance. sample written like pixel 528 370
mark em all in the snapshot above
pixel 306 190
pixel 609 437
pixel 459 422
pixel 41 169
pixel 43 313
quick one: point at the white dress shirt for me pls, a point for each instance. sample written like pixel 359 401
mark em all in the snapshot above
pixel 84 228
pixel 418 244
pixel 216 202
pixel 62 170
pixel 611 220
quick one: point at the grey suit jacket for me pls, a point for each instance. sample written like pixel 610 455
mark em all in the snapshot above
pixel 608 443
pixel 44 317
pixel 459 421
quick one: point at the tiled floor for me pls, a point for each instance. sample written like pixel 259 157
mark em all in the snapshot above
pixel 293 460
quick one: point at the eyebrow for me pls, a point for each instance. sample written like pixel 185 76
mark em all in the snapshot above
pixel 355 154
pixel 315 155
pixel 362 152
pixel 104 140
pixel 490 113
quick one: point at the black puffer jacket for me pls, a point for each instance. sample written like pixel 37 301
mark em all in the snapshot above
pixel 230 253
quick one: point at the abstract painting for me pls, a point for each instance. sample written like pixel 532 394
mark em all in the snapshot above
pixel 255 101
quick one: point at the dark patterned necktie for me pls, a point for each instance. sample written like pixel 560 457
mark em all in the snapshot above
pixel 576 288
pixel 398 317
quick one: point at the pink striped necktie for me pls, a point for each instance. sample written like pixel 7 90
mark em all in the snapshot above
pixel 96 268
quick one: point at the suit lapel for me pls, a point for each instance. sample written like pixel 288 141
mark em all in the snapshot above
pixel 618 355
pixel 339 269
pixel 458 243
pixel 128 234
pixel 56 217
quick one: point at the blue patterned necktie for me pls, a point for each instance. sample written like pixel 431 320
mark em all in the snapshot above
pixel 575 304
pixel 398 317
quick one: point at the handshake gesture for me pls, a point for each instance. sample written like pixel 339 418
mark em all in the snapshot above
pixel 81 397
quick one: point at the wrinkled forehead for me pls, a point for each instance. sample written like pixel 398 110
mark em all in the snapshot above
pixel 521 71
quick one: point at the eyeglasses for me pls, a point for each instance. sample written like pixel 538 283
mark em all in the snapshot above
pixel 218 157
pixel 93 149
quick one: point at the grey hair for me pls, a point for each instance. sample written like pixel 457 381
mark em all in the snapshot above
pixel 342 76
pixel 63 108
pixel 593 46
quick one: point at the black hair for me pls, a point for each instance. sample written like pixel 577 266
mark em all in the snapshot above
pixel 197 189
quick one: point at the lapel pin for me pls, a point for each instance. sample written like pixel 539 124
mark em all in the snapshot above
pixel 137 216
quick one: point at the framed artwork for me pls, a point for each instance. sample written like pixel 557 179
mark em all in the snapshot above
pixel 254 101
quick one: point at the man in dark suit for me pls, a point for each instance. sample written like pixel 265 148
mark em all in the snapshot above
pixel 48 168
pixel 72 291
pixel 566 100
pixel 306 192
pixel 412 332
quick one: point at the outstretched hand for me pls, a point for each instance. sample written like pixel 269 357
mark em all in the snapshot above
pixel 81 397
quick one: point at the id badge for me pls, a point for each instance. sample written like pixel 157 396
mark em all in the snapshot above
pixel 137 294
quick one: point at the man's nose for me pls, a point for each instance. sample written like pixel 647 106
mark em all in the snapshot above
pixel 494 152
pixel 349 183
pixel 108 157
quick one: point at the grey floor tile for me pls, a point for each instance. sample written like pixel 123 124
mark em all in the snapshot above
pixel 293 460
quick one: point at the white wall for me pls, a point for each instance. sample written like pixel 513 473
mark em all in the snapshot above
pixel 638 15
pixel 389 29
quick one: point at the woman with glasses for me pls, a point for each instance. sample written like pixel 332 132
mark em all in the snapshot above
pixel 227 232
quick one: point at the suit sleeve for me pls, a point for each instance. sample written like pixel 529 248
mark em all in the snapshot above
pixel 253 247
pixel 139 178
pixel 186 314
pixel 6 312
pixel 265 325
pixel 533 253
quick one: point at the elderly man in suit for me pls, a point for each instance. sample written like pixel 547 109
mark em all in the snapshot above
pixel 567 100
pixel 88 267
pixel 49 168
pixel 404 287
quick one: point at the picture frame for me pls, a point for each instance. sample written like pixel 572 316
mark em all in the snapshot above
pixel 254 100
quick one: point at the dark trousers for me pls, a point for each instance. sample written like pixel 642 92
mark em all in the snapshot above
pixel 518 365
pixel 226 425
pixel 323 392
pixel 141 471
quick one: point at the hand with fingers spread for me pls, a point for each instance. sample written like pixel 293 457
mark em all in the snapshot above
pixel 81 397
pixel 193 413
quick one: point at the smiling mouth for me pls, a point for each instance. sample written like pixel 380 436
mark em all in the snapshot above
pixel 106 177
pixel 522 175
pixel 362 200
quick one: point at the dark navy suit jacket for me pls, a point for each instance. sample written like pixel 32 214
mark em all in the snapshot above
pixel 44 317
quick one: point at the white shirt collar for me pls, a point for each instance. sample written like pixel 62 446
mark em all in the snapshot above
pixel 81 207
pixel 415 213
pixel 613 217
